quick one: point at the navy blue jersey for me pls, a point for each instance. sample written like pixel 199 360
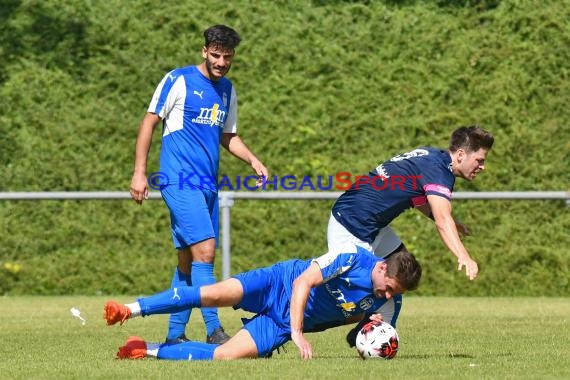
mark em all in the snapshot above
pixel 391 188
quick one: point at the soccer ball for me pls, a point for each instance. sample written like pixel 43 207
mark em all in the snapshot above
pixel 377 340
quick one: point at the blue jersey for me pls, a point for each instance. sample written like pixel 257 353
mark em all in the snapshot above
pixel 195 112
pixel 347 289
pixel 393 187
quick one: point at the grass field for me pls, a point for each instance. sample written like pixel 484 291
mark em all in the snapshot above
pixel 441 338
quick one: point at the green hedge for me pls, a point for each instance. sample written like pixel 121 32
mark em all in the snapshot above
pixel 324 87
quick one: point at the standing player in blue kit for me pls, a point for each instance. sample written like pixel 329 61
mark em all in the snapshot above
pixel 198 108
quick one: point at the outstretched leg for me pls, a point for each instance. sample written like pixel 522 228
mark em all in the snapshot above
pixel 225 293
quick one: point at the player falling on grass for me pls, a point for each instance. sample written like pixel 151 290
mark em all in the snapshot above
pixel 198 108
pixel 288 298
pixel 422 178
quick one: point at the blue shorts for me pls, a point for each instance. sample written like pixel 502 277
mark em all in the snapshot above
pixel 263 294
pixel 266 334
pixel 194 214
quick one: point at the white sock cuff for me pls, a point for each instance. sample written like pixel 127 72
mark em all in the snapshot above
pixel 135 309
pixel 152 349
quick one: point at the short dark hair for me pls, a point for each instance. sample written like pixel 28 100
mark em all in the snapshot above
pixel 221 36
pixel 471 139
pixel 404 267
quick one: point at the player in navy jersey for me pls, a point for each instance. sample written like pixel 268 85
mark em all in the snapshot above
pixel 422 178
pixel 198 109
pixel 288 298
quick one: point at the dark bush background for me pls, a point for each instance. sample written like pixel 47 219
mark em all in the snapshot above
pixel 324 87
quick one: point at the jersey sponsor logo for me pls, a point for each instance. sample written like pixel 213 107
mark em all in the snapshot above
pixel 214 116
pixel 211 116
pixel 337 293
pixel 172 77
pixel 348 306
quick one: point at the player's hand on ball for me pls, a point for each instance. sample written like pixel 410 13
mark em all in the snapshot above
pixel 377 317
pixel 471 267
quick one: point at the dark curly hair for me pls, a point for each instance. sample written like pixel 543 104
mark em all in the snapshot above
pixel 221 36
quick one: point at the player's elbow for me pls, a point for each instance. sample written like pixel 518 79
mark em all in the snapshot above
pixel 299 283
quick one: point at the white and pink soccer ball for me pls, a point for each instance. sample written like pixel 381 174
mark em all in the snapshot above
pixel 377 340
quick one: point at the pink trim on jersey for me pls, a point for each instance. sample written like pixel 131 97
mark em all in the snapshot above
pixel 418 201
pixel 438 189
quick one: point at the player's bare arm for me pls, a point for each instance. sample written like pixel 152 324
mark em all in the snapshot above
pixel 302 286
pixel 377 317
pixel 461 228
pixel 139 185
pixel 235 145
pixel 441 211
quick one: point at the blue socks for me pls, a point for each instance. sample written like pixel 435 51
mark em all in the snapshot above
pixel 178 321
pixel 170 301
pixel 187 351
pixel 203 274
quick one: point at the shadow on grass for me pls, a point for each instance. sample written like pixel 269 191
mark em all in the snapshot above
pixel 453 355
pixel 450 355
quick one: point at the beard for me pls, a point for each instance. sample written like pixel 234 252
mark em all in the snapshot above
pixel 211 69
